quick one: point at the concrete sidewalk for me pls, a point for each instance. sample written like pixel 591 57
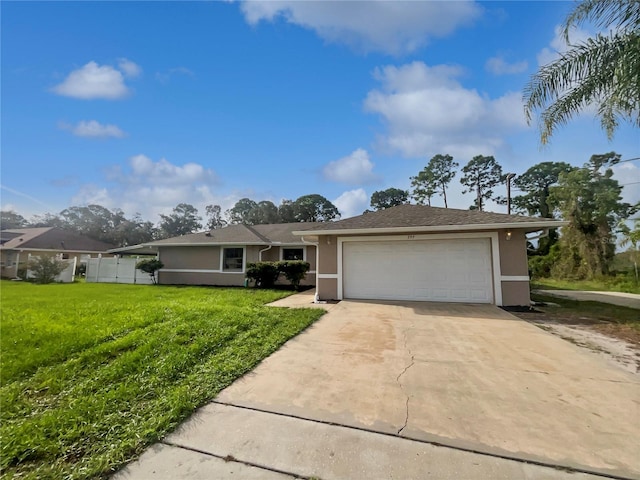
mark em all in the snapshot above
pixel 622 299
pixel 228 442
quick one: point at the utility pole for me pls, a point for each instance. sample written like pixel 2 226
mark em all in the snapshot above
pixel 509 177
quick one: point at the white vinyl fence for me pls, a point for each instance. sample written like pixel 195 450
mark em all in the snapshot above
pixel 116 270
pixel 67 276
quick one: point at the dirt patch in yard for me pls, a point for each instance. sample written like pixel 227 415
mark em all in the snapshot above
pixel 617 343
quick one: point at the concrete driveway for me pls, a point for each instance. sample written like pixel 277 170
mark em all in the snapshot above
pixel 470 377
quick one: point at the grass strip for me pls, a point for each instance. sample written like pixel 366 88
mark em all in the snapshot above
pixel 621 283
pixel 603 312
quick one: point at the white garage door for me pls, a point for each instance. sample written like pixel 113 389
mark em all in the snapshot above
pixel 456 270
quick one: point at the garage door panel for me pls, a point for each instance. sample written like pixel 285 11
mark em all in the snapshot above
pixel 457 270
pixel 440 294
pixel 480 295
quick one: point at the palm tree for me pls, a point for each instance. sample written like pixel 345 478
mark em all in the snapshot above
pixel 603 71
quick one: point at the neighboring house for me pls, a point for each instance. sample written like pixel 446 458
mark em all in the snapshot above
pixel 220 256
pixel 413 252
pixel 18 243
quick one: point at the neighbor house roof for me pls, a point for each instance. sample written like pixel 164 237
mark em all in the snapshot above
pixel 280 233
pixel 423 218
pixel 49 238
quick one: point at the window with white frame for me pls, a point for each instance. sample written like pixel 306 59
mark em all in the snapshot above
pixel 293 253
pixel 232 259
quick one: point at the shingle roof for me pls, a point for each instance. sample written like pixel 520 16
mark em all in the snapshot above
pixel 231 234
pixel 51 238
pixel 241 235
pixel 407 216
pixel 281 232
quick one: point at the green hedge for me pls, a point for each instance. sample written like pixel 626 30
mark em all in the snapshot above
pixel 265 274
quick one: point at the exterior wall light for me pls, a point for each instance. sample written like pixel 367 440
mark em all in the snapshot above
pixel 508 235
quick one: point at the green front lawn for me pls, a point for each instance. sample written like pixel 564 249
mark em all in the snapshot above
pixel 91 374
pixel 589 311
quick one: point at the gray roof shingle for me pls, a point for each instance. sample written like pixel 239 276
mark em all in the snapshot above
pixel 51 238
pixel 241 235
pixel 406 216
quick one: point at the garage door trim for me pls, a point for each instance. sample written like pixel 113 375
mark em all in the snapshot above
pixel 495 253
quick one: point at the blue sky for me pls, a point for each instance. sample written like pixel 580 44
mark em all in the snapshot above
pixel 142 106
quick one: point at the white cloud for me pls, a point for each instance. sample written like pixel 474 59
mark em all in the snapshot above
pixel 152 187
pixel 390 27
pixel 427 111
pixel 352 203
pixel 93 129
pixel 145 170
pixel 628 175
pixel 558 45
pixel 499 66
pixel 91 194
pixel 9 207
pixel 129 68
pixel 164 77
pixel 94 81
pixel 355 168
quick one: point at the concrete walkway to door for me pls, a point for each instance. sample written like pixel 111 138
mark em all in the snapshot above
pixel 344 398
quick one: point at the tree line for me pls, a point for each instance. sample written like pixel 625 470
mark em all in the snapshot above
pixel 480 176
pixel 113 227
pixel 588 197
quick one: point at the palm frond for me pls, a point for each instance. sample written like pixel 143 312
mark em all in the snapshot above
pixel 620 14
pixel 604 70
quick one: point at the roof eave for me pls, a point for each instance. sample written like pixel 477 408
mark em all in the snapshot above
pixel 203 244
pixel 57 250
pixel 131 248
pixel 529 226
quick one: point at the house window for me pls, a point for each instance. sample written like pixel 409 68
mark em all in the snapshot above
pixel 232 259
pixel 293 253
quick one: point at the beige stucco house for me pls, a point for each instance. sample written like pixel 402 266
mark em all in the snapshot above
pixel 17 244
pixel 409 252
pixel 413 252
pixel 220 256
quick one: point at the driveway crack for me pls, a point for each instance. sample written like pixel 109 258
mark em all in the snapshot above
pixel 411 364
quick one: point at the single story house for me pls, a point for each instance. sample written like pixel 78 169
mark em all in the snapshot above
pixel 220 256
pixel 408 252
pixel 17 244
pixel 414 252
